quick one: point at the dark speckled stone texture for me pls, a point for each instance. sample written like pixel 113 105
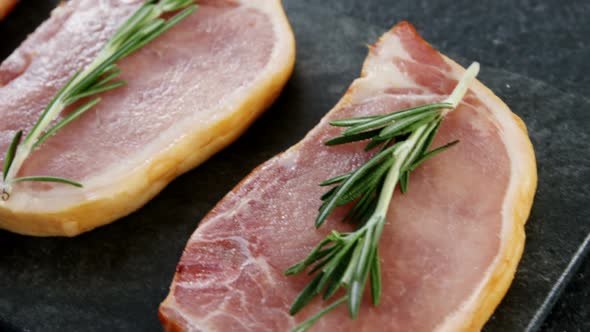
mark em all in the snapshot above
pixel 535 56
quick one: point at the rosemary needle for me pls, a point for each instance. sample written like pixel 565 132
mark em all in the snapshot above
pixel 350 260
pixel 146 24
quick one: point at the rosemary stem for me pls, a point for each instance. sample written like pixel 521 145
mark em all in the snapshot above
pixel 393 175
pixel 461 88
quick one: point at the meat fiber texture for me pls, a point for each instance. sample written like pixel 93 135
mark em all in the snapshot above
pixel 190 92
pixel 449 248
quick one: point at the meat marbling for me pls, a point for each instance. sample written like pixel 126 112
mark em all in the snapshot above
pixel 450 246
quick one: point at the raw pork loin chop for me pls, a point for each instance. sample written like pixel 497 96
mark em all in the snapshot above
pixel 191 92
pixel 451 244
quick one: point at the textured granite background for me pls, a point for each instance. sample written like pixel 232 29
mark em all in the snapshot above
pixel 535 55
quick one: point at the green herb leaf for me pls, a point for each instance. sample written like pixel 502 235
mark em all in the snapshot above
pixel 404 182
pixel 335 179
pixel 71 117
pixel 376 278
pixel 398 127
pixel 385 120
pixel 306 325
pixel 352 121
pixel 306 295
pixel 9 158
pixel 431 154
pixel 352 138
pixel 47 179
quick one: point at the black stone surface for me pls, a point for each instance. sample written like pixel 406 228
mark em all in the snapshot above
pixel 572 312
pixel 534 56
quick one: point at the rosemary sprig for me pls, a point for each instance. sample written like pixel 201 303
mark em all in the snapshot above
pixel 349 260
pixel 101 75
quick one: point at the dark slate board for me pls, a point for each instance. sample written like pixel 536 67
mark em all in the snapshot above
pixel 534 56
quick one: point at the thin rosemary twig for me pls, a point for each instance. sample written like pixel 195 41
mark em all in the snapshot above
pixel 350 260
pixel 100 76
